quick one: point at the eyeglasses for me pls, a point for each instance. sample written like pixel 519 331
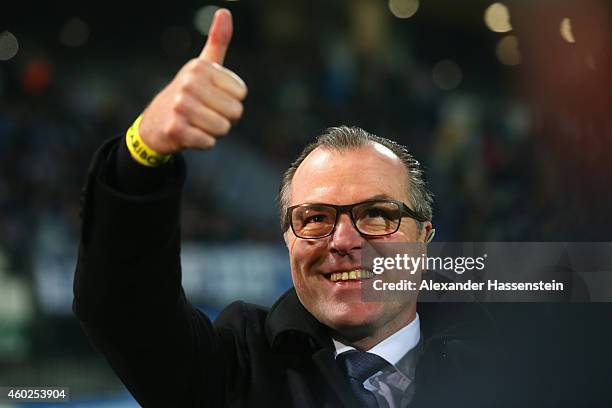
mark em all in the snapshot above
pixel 371 218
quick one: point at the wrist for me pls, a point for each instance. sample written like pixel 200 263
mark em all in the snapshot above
pixel 140 151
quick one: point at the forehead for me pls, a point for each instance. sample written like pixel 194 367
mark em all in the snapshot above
pixel 349 175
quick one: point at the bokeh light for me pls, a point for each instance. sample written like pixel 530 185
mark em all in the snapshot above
pixel 203 18
pixel 8 45
pixel 566 30
pixel 507 50
pixel 403 8
pixel 37 76
pixel 447 75
pixel 497 18
pixel 74 33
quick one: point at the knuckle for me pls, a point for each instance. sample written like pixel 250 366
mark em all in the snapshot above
pixel 243 92
pixel 175 129
pixel 237 110
pixel 189 143
pixel 187 83
pixel 224 126
pixel 198 64
pixel 192 66
pixel 207 142
pixel 179 104
pixel 201 69
pixel 196 70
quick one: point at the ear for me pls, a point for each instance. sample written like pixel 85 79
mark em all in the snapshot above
pixel 426 231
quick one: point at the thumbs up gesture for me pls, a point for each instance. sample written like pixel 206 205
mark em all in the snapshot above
pixel 202 101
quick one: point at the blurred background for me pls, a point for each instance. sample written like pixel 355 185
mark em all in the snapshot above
pixel 505 104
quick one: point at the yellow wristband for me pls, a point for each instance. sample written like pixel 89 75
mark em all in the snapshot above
pixel 142 153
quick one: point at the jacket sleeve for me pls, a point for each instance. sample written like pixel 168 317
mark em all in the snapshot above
pixel 128 294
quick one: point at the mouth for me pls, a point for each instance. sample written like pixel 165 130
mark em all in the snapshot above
pixel 358 274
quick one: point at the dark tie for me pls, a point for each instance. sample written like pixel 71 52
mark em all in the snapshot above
pixel 359 366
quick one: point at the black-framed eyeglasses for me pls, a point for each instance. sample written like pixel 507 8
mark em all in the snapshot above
pixel 371 218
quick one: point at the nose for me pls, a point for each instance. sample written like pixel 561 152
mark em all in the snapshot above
pixel 345 239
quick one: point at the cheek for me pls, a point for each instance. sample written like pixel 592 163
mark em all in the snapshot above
pixel 304 255
pixel 408 231
pixel 399 237
pixel 293 262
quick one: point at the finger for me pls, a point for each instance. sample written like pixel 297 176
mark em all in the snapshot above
pixel 205 118
pixel 195 138
pixel 219 37
pixel 218 100
pixel 229 81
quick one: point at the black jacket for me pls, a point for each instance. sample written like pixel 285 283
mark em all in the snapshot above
pixel 129 299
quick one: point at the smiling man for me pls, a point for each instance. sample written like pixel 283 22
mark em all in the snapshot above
pixel 321 344
pixel 349 165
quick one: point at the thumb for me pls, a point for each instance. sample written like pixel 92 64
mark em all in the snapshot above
pixel 219 36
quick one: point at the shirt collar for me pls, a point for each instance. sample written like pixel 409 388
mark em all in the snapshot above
pixel 394 347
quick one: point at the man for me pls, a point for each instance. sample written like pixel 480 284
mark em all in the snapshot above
pixel 320 345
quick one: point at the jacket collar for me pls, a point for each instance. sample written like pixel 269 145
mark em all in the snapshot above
pixel 288 321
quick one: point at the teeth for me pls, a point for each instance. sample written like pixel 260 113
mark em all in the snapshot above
pixel 352 275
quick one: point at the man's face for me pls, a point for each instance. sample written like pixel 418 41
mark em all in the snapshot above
pixel 347 177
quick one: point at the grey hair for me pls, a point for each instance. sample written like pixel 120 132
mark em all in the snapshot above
pixel 344 138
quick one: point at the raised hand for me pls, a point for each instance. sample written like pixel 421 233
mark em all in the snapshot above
pixel 201 103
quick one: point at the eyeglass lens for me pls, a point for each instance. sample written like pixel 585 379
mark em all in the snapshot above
pixel 372 218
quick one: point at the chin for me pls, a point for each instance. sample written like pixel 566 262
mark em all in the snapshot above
pixel 352 317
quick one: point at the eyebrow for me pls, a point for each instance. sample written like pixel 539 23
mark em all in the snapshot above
pixel 380 197
pixel 370 198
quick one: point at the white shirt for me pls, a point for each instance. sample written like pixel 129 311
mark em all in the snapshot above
pixel 392 386
pixel 394 347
